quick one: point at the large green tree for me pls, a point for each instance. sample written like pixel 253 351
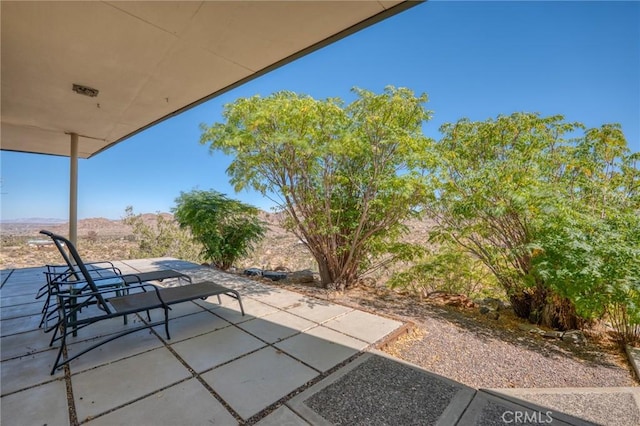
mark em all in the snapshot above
pixel 347 177
pixel 539 201
pixel 590 250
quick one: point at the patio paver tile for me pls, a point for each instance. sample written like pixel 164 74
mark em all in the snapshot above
pixel 212 349
pixel 283 416
pixel 26 288
pixel 23 344
pixel 191 325
pixel 230 309
pixel 363 325
pixel 41 405
pixel 16 300
pixel 123 347
pixel 277 326
pixel 105 388
pixel 319 310
pixel 20 325
pixel 21 373
pixel 168 408
pixel 279 298
pixel 321 347
pixel 255 381
pixel 23 310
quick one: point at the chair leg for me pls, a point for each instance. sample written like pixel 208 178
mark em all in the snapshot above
pixel 166 322
pixel 63 344
pixel 45 311
pixel 239 301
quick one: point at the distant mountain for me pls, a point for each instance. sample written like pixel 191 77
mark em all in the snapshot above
pixel 34 220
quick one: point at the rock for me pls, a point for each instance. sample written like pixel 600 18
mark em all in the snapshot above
pixel 551 334
pixel 528 327
pixel 449 299
pixel 301 277
pixel 490 313
pixel 281 268
pixel 493 303
pixel 274 275
pixel 253 272
pixel 574 336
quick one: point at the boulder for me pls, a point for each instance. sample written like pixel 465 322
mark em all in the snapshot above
pixel 492 303
pixel 574 336
pixel 253 272
pixel 301 277
pixel 274 275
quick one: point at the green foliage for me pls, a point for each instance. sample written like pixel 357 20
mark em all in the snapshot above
pixel 226 228
pixel 346 176
pixel 590 251
pixel 495 181
pixel 161 237
pixel 448 269
pixel 556 219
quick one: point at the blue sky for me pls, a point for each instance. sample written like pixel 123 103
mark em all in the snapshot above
pixel 474 60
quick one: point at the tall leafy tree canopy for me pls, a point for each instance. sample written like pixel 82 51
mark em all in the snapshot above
pixel 347 177
pixel 549 207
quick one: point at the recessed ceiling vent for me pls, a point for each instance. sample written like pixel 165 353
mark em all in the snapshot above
pixel 84 90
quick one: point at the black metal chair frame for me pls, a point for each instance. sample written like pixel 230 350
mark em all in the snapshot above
pixel 61 278
pixel 71 269
pixel 132 300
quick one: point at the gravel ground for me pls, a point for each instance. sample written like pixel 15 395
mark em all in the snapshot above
pixel 483 360
pixel 484 353
pixel 388 393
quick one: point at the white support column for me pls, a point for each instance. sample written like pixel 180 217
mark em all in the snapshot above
pixel 73 190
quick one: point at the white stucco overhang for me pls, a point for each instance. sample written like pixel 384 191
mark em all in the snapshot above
pixel 148 60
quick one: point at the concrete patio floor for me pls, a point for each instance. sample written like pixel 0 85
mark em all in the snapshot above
pixel 290 360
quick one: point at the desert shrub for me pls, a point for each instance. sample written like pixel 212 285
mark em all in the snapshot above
pixel 447 269
pixel 92 236
pixel 226 229
pixel 161 237
pixel 595 262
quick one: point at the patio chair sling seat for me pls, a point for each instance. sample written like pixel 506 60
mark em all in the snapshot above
pixel 130 299
pixel 171 295
pixel 161 275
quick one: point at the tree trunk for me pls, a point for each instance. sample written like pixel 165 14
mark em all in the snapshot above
pixel 540 306
pixel 326 277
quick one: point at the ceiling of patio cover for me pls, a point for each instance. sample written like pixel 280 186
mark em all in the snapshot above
pixel 148 60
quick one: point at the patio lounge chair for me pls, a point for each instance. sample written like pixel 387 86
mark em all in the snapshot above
pixel 132 299
pixel 65 278
pixel 100 271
